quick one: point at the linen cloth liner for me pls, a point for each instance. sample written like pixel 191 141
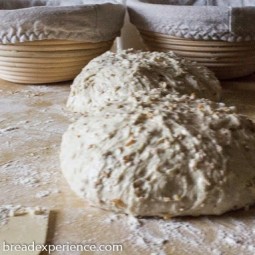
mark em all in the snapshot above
pixel 227 20
pixel 81 20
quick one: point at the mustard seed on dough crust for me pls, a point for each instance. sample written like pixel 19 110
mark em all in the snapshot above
pixel 162 155
pixel 116 76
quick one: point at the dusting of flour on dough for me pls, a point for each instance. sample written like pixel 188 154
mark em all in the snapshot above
pixel 162 155
pixel 116 76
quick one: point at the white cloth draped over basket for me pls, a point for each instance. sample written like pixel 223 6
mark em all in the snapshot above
pixel 226 20
pixel 80 20
pixel 47 41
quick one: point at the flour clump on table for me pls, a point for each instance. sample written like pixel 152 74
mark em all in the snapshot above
pixel 116 76
pixel 163 155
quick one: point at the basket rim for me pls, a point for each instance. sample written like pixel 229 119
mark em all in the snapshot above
pixel 45 19
pixel 205 22
pixel 190 6
pixel 12 5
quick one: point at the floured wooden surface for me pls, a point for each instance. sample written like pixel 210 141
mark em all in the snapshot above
pixel 21 225
pixel 32 120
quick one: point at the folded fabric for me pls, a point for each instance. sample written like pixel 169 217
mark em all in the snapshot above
pixel 81 20
pixel 228 20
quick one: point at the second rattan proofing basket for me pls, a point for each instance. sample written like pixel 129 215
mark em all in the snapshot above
pixel 216 34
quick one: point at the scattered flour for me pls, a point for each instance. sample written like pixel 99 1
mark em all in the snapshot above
pixel 7 211
pixel 187 235
pixel 43 193
pixel 24 134
pixel 46 193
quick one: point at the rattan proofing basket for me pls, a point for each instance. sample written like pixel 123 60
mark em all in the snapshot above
pixel 48 41
pixel 226 59
pixel 217 34
pixel 47 61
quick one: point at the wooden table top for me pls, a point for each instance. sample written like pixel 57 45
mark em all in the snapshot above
pixel 32 121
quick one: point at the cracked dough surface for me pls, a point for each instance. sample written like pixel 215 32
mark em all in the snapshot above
pixel 162 155
pixel 116 76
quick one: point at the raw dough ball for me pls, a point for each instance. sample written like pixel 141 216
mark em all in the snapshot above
pixel 116 76
pixel 168 156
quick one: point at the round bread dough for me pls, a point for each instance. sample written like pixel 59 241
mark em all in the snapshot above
pixel 115 76
pixel 162 156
